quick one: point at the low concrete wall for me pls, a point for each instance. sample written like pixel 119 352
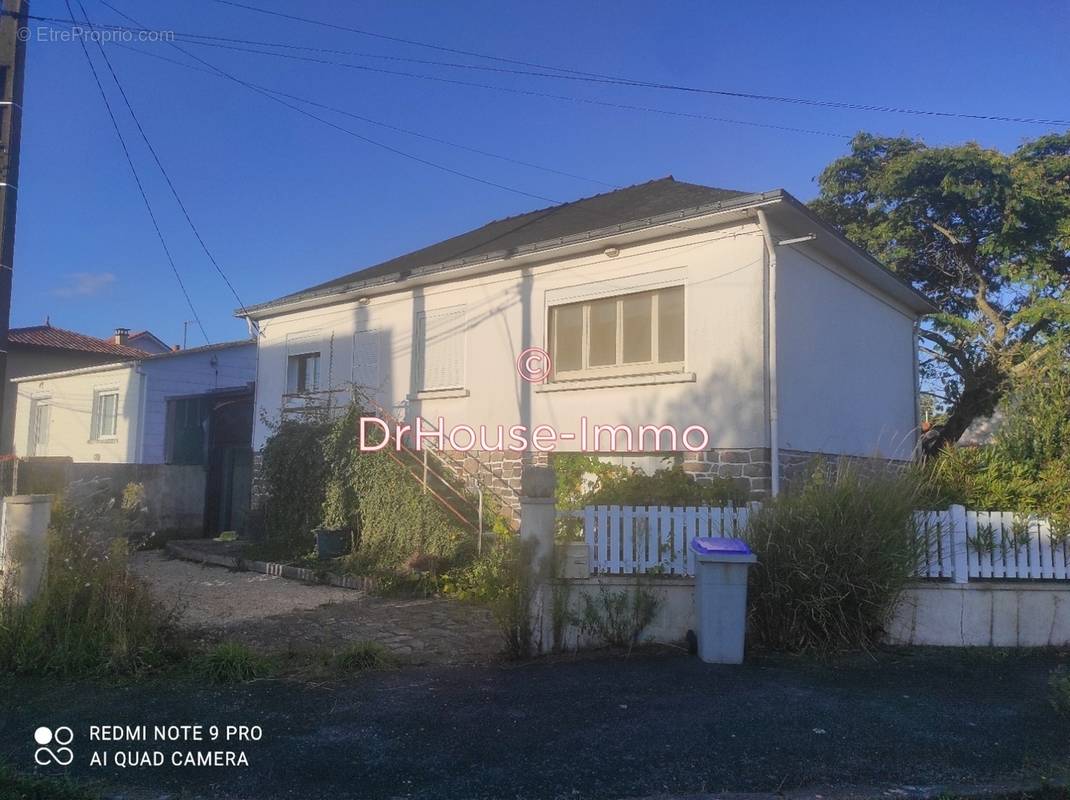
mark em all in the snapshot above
pixel 983 614
pixel 675 616
pixel 174 493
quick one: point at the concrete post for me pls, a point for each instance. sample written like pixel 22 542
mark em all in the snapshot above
pixel 538 515
pixel 24 544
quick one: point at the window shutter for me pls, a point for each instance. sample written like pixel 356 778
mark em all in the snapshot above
pixel 441 362
pixel 366 359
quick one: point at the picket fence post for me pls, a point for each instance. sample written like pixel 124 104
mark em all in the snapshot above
pixel 959 544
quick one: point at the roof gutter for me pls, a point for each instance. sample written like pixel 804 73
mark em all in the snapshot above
pixel 772 401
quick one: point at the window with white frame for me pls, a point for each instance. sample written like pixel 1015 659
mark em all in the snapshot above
pixel 440 349
pixel 303 373
pixel 105 414
pixel 637 332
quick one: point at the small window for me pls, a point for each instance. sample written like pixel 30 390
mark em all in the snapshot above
pixel 642 331
pixel 303 373
pixel 105 415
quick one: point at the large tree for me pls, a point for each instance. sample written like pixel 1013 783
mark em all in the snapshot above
pixel 984 235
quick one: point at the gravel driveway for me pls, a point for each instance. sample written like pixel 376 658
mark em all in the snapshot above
pixel 277 614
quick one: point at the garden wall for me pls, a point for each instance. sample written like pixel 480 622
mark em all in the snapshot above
pixel 983 614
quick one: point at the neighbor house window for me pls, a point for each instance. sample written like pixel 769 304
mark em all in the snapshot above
pixel 440 349
pixel 105 415
pixel 642 331
pixel 303 373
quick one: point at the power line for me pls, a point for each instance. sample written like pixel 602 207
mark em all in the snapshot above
pixel 367 139
pixel 601 77
pixel 137 180
pixel 231 43
pixel 159 164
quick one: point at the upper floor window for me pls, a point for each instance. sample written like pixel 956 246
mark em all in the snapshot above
pixel 105 415
pixel 440 349
pixel 641 331
pixel 303 373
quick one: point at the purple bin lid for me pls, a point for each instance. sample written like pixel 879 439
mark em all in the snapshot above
pixel 714 545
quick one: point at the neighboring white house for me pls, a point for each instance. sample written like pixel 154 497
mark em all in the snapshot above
pixel 665 303
pixel 135 411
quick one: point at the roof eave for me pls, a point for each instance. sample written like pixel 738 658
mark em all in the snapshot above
pixel 337 293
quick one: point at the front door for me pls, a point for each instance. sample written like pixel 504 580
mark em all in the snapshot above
pixel 40 421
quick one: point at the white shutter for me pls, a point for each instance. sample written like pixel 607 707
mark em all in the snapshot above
pixel 366 359
pixel 441 361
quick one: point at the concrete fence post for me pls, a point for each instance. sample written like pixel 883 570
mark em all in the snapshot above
pixel 24 544
pixel 959 544
pixel 538 515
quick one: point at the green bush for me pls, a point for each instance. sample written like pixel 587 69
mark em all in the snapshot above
pixel 401 526
pixel 666 487
pixel 92 616
pixel 295 477
pixel 230 662
pixel 363 657
pixel 833 559
pixel 1059 690
pixel 617 618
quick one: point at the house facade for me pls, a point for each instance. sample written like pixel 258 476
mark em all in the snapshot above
pixel 45 348
pixel 740 319
pixel 151 409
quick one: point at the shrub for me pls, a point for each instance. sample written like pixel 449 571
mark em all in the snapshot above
pixel 92 616
pixel 666 487
pixel 362 657
pixel 617 618
pixel 295 476
pixel 1059 690
pixel 504 581
pixel 230 662
pixel 833 560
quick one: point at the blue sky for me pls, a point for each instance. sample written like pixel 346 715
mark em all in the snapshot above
pixel 284 201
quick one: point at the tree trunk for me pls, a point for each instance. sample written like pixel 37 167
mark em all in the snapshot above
pixel 981 393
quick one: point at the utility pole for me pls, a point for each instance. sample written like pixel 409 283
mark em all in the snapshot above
pixel 13 35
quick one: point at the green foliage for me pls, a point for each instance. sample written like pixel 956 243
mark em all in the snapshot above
pixel 1059 690
pixel 571 470
pixel 833 560
pixel 617 618
pixel 92 616
pixel 510 592
pixel 985 235
pixel 401 526
pixel 295 475
pixel 363 657
pixel 1027 466
pixel 25 787
pixel 230 662
pixel 666 487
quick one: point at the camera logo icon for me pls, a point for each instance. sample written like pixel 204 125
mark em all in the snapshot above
pixel 53 747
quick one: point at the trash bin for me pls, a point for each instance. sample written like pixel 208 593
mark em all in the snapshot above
pixel 721 597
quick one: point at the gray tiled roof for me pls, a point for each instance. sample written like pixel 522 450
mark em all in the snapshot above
pixel 568 219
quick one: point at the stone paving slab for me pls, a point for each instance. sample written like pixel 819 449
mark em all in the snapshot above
pixel 278 615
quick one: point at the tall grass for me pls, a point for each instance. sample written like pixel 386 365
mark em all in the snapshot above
pixel 91 617
pixel 833 560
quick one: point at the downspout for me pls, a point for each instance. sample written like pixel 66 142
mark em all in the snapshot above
pixel 771 355
pixel 916 449
pixel 142 408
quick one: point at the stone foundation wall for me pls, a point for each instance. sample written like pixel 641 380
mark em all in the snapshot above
pixel 749 466
pixel 799 466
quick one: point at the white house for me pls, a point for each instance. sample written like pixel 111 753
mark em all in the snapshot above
pixel 662 304
pixel 144 410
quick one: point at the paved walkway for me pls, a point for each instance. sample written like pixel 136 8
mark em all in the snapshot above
pixel 278 615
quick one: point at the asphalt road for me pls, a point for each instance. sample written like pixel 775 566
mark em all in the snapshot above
pixel 595 728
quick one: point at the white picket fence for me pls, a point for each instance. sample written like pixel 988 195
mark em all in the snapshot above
pixel 959 544
pixel 632 539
